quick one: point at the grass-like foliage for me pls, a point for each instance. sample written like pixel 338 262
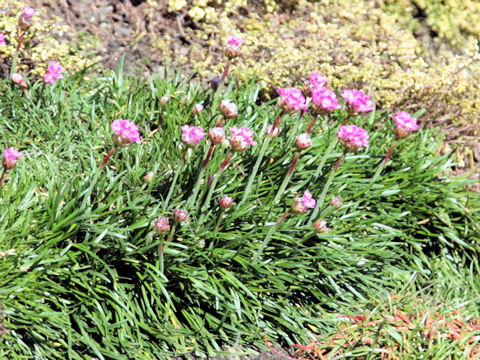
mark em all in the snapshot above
pixel 80 270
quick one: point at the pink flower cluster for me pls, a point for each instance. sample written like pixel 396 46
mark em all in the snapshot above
pixel 317 80
pixel 353 137
pixel 54 72
pixel 242 138
pixel 404 124
pixel 324 100
pixel 232 49
pixel 125 132
pixel 191 135
pixel 28 12
pixel 301 204
pixel 235 40
pixel 2 40
pixel 357 100
pixel 10 157
pixel 291 100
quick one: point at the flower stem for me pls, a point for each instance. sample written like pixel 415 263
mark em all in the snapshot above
pixel 20 40
pixel 220 171
pixel 254 172
pixel 286 180
pixel 110 153
pixel 268 237
pixel 312 122
pixel 174 182
pixel 325 189
pixel 330 148
pixel 3 175
pixel 224 75
pixel 162 245
pixel 219 221
pixel 201 172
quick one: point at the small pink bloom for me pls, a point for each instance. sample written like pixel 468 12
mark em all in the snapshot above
pixel 228 109
pixel 242 138
pixel 225 202
pixel 303 141
pixel 161 224
pixel 19 80
pixel 2 40
pixel 236 40
pixel 301 204
pixel 274 133
pixel 54 72
pixel 180 214
pixel 10 157
pixel 315 81
pixel 404 124
pixel 357 100
pixel 324 100
pixel 232 49
pixel 28 12
pixel 353 137
pixel 291 100
pixel 216 135
pixel 198 108
pixel 125 132
pixel 191 135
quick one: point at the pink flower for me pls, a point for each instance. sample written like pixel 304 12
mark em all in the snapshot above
pixel 10 157
pixel 232 49
pixel 225 202
pixel 2 40
pixel 303 141
pixel 216 135
pixel 191 135
pixel 161 224
pixel 291 100
pixel 324 100
pixel 353 137
pixel 180 215
pixel 19 80
pixel 242 138
pixel 28 12
pixel 316 80
pixel 228 109
pixel 301 204
pixel 404 124
pixel 357 100
pixel 54 72
pixel 198 108
pixel 125 132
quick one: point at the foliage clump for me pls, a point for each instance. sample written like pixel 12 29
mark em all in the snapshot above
pixel 43 42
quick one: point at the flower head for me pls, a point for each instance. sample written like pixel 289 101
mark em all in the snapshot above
pixel 54 72
pixel 28 12
pixel 161 224
pixel 404 124
pixel 10 157
pixel 216 135
pixel 18 79
pixel 321 226
pixel 324 100
pixel 125 132
pixel 242 138
pixel 180 215
pixel 191 135
pixel 303 141
pixel 336 202
pixel 274 132
pixel 228 109
pixel 2 40
pixel 353 137
pixel 198 108
pixel 301 204
pixel 225 202
pixel 291 100
pixel 315 81
pixel 357 100
pixel 232 49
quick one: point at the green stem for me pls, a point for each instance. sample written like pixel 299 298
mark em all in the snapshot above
pixel 219 221
pixel 254 172
pixel 330 148
pixel 286 180
pixel 201 172
pixel 321 199
pixel 268 237
pixel 174 182
pixel 3 175
pixel 162 246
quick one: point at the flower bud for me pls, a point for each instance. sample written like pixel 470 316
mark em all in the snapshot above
pixel 336 202
pixel 149 177
pixel 25 20
pixel 161 224
pixel 164 99
pixel 198 108
pixel 10 157
pixel 272 133
pixel 321 226
pixel 180 215
pixel 232 49
pixel 301 205
pixel 225 202
pixel 216 135
pixel 215 82
pixel 228 109
pixel 19 80
pixel 303 141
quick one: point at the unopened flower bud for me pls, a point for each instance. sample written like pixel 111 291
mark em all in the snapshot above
pixel 272 133
pixel 19 80
pixel 164 99
pixel 228 109
pixel 161 224
pixel 216 135
pixel 149 177
pixel 321 226
pixel 180 215
pixel 336 202
pixel 215 82
pixel 25 20
pixel 225 202
pixel 198 108
pixel 303 141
